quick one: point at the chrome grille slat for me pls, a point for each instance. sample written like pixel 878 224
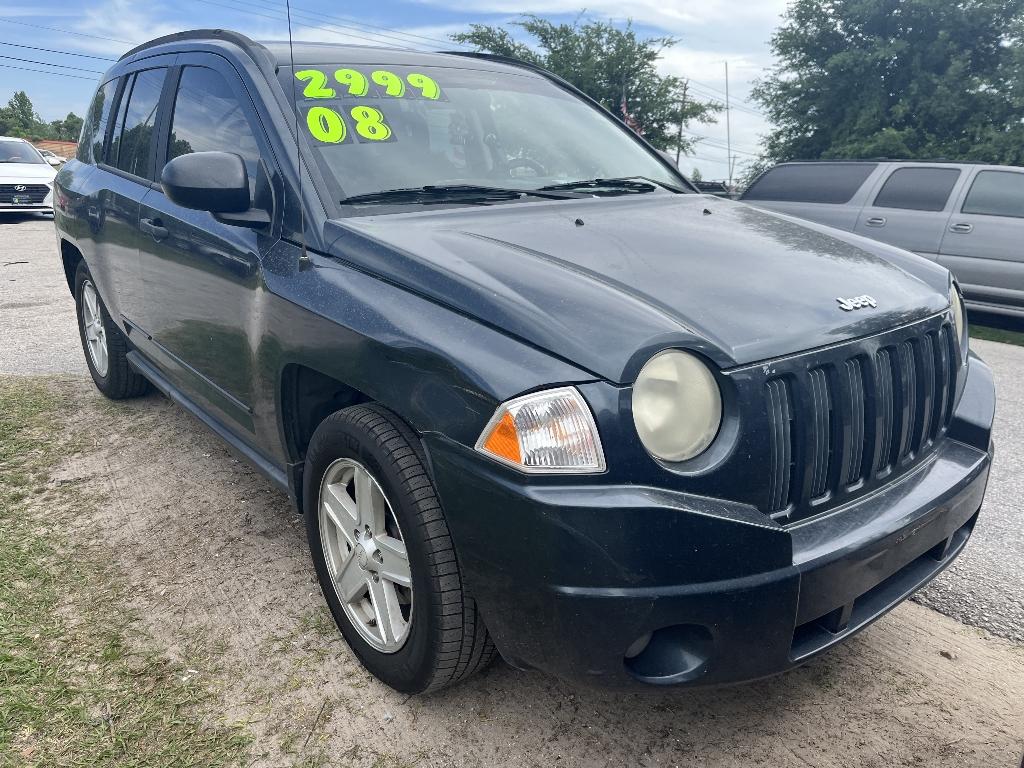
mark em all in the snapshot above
pixel 780 416
pixel 908 396
pixel 853 443
pixel 886 408
pixel 821 434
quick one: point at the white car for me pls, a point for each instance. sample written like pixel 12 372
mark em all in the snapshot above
pixel 52 157
pixel 26 178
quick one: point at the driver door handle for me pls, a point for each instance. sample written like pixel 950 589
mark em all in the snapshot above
pixel 962 229
pixel 154 228
pixel 876 221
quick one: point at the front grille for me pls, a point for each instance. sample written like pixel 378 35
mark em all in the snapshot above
pixel 844 421
pixel 36 193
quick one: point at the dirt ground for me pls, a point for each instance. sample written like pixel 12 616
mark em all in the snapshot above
pixel 218 560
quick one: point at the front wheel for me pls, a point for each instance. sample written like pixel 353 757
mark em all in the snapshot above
pixel 384 556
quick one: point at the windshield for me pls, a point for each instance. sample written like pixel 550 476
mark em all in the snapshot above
pixel 18 152
pixel 376 128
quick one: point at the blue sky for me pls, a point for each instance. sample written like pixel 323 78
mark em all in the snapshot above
pixel 710 32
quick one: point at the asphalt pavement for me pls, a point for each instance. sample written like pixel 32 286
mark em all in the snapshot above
pixel 984 588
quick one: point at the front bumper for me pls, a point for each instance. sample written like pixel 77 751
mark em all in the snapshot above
pixel 571 579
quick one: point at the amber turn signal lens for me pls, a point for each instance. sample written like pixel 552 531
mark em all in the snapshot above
pixel 503 440
pixel 546 432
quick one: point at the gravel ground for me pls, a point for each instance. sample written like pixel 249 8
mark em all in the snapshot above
pixel 985 588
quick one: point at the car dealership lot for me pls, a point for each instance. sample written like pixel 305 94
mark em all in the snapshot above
pixel 216 553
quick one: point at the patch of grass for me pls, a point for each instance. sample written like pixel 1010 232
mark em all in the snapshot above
pixel 997 334
pixel 79 684
pixel 996 328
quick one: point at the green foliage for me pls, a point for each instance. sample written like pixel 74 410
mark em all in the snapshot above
pixel 604 62
pixel 897 78
pixel 19 118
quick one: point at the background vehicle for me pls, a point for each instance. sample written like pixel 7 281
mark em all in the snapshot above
pixel 969 218
pixel 52 157
pixel 26 179
pixel 528 388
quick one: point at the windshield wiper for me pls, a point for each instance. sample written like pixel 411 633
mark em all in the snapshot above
pixel 445 193
pixel 624 185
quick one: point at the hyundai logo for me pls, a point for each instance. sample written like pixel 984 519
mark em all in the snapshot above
pixel 20 188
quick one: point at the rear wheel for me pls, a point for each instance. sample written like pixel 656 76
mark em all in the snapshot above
pixel 105 347
pixel 384 555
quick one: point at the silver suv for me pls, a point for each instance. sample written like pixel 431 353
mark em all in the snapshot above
pixel 969 218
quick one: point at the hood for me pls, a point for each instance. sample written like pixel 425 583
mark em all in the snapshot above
pixel 37 172
pixel 605 283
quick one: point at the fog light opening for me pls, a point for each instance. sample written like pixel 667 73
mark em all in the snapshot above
pixel 676 654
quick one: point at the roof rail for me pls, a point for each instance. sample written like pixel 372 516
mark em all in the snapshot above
pixel 227 35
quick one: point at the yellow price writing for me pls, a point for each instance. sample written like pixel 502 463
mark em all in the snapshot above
pixel 358 84
pixel 316 84
pixel 328 126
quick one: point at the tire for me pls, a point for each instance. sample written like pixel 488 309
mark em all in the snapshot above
pixel 445 639
pixel 115 378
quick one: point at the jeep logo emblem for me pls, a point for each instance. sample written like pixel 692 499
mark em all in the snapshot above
pixel 858 302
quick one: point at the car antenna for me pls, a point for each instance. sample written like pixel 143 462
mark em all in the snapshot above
pixel 304 261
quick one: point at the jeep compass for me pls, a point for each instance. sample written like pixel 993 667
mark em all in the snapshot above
pixel 532 393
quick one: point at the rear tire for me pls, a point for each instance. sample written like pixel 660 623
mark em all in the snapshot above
pixel 103 343
pixel 439 639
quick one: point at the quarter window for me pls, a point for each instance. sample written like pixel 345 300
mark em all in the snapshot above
pixel 996 193
pixel 208 117
pixel 131 148
pixel 94 129
pixel 918 189
pixel 834 183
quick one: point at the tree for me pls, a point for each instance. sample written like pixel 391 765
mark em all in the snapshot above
pixel 608 64
pixel 897 78
pixel 19 117
pixel 67 129
pixel 696 175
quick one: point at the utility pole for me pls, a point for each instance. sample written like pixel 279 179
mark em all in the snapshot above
pixel 728 123
pixel 682 113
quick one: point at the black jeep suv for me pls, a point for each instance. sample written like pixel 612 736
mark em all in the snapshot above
pixel 530 390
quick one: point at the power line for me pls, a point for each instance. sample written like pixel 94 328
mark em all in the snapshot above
pixel 347 21
pixel 338 29
pixel 52 50
pixel 65 31
pixel 49 72
pixel 48 64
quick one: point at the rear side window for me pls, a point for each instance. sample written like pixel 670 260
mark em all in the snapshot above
pixel 208 117
pixel 834 183
pixel 131 147
pixel 996 193
pixel 918 189
pixel 94 129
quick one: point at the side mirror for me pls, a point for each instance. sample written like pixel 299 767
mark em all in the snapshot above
pixel 208 181
pixel 53 161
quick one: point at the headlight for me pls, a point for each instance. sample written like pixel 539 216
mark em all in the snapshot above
pixel 677 406
pixel 546 432
pixel 956 301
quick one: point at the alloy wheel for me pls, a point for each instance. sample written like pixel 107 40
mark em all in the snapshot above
pixel 366 556
pixel 95 331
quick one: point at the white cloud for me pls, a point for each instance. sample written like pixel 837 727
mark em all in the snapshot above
pixel 671 15
pixel 127 22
